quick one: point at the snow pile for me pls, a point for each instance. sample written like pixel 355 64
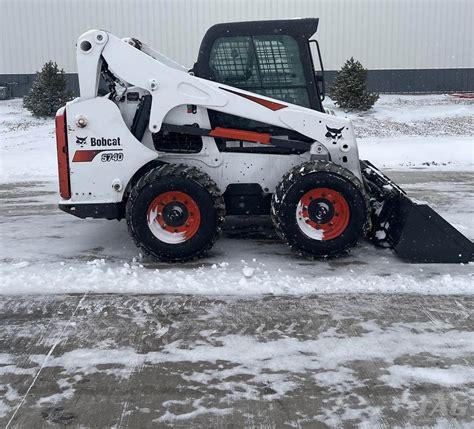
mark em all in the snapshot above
pixel 418 114
pixel 99 276
pixel 447 153
pixel 416 131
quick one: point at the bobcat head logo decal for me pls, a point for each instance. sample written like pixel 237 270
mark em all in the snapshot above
pixel 81 141
pixel 334 134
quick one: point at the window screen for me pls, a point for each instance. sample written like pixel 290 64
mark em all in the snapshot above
pixel 268 65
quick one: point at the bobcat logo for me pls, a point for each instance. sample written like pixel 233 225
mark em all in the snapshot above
pixel 81 141
pixel 334 134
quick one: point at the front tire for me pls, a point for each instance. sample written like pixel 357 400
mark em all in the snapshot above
pixel 320 209
pixel 175 213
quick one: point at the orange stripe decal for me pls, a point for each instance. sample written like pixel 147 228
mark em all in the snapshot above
pixel 265 103
pixel 248 136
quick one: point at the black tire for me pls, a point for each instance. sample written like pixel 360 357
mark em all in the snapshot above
pixel 201 192
pixel 318 177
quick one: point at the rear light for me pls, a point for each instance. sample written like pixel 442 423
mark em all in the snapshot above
pixel 63 159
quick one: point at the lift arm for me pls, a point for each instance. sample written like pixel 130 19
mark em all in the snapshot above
pixel 170 85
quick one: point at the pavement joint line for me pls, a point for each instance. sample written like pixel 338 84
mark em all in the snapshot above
pixel 51 350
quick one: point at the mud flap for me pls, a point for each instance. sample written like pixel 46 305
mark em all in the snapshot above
pixel 415 231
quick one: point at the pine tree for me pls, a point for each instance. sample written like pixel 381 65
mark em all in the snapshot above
pixel 48 92
pixel 350 87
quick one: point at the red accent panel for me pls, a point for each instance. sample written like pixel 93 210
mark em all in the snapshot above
pixel 268 104
pixel 248 136
pixel 86 155
pixel 63 159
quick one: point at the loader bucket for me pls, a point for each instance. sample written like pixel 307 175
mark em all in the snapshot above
pixel 415 231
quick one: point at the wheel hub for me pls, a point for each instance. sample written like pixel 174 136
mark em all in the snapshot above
pixel 320 210
pixel 175 214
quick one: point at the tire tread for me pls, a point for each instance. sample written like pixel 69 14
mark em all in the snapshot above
pixel 186 172
pixel 300 171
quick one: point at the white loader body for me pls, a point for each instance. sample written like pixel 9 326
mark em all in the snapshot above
pixel 101 172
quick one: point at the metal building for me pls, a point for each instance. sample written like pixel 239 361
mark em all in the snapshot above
pixel 407 45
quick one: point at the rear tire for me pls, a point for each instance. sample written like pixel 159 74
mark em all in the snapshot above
pixel 320 209
pixel 175 213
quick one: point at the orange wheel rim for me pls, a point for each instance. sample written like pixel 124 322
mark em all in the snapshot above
pixel 173 217
pixel 322 214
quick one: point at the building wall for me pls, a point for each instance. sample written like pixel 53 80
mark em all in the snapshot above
pixel 408 45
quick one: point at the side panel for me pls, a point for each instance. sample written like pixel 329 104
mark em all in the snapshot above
pixel 103 154
pixel 237 168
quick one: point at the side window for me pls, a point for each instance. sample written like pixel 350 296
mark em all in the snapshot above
pixel 269 65
pixel 281 71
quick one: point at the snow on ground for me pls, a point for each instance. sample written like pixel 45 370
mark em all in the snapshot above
pixel 413 115
pixel 426 131
pixel 351 360
pixel 290 355
pixel 276 363
pixel 445 153
pixel 27 144
pixel 428 138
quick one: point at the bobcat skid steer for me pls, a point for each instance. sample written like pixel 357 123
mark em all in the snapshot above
pixel 243 133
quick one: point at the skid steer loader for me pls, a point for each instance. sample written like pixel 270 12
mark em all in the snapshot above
pixel 243 133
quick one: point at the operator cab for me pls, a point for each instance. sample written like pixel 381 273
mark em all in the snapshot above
pixel 271 58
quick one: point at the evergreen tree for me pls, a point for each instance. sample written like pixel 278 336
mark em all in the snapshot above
pixel 349 90
pixel 48 92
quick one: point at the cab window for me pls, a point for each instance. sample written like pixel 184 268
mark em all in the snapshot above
pixel 269 65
